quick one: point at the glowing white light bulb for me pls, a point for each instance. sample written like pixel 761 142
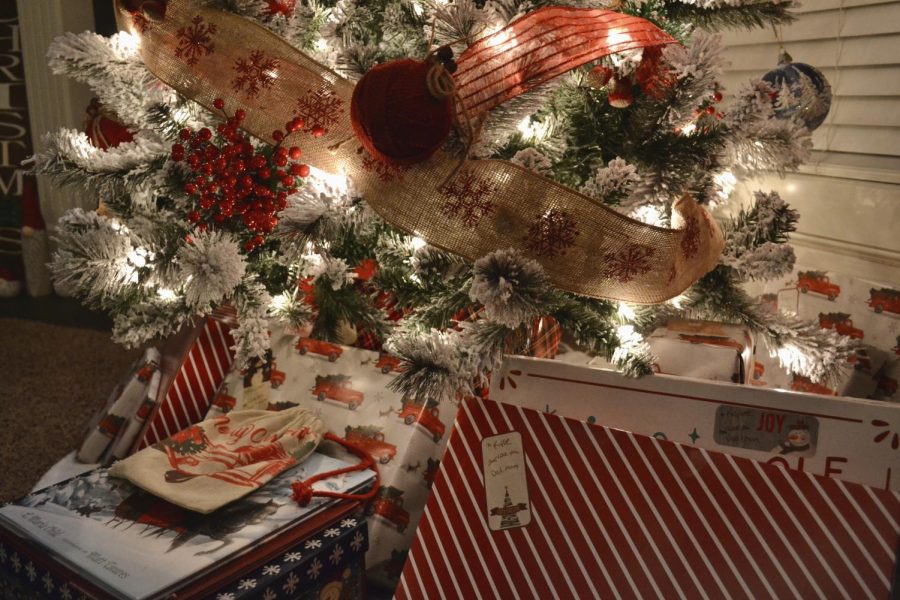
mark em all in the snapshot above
pixel 280 301
pixel 417 243
pixel 536 130
pixel 165 294
pixel 726 182
pixel 626 312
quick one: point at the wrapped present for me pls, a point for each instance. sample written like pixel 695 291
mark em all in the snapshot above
pixel 194 364
pixel 848 439
pixel 115 428
pixel 347 389
pixel 104 538
pixel 528 504
pixel 328 564
pixel 860 377
pixel 887 382
pixel 703 349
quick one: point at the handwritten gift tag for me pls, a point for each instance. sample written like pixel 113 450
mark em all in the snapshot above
pixel 771 431
pixel 505 481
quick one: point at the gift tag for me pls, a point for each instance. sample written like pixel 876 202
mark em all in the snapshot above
pixel 766 430
pixel 505 482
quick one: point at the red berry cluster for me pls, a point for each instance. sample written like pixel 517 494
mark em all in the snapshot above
pixel 235 186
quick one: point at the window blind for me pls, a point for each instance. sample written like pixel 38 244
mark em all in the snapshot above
pixel 856 45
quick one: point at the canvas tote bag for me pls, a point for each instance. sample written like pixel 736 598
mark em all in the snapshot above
pixel 220 460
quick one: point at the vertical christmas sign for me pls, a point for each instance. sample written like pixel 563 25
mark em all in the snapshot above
pixel 15 144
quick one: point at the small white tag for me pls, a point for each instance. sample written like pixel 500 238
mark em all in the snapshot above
pixel 505 481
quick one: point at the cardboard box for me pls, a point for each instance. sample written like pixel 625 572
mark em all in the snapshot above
pixel 528 504
pixel 849 439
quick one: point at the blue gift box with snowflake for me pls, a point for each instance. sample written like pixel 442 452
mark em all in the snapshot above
pixel 330 564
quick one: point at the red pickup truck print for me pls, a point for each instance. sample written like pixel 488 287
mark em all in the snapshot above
pixel 817 282
pixel 331 351
pixel 337 387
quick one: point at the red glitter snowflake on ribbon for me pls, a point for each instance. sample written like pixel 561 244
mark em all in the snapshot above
pixel 195 40
pixel 384 171
pixel 625 265
pixel 690 242
pixel 468 198
pixel 320 109
pixel 254 74
pixel 552 234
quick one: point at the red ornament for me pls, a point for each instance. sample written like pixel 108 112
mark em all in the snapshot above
pixel 396 117
pixel 621 95
pixel 102 129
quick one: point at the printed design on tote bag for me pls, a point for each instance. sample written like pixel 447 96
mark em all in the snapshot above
pixel 250 459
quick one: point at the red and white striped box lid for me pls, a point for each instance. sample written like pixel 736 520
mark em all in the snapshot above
pixel 195 363
pixel 620 515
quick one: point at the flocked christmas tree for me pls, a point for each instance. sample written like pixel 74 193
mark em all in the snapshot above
pixel 197 213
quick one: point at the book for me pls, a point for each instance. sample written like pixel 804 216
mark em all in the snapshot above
pixel 126 543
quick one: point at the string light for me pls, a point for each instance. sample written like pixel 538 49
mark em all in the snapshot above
pixel 165 294
pixel 535 130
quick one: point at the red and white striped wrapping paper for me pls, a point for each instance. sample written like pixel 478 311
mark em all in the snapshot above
pixel 619 515
pixel 195 364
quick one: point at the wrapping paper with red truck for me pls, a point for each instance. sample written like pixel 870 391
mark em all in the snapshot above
pixel 347 388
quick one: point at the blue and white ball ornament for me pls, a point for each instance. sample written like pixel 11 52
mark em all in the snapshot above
pixel 800 91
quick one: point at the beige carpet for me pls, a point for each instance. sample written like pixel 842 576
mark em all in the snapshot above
pixel 52 381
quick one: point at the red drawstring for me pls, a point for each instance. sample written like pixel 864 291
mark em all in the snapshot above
pixel 303 491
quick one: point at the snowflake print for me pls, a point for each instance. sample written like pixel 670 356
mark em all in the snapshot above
pixel 292 557
pixel 281 7
pixel 384 171
pixel 254 74
pixel 333 532
pixel 625 265
pixel 336 555
pixel 32 572
pixel 310 544
pixel 467 198
pixel 195 40
pixel 271 570
pixel 269 595
pixel 357 541
pixel 290 584
pixel 690 242
pixel 15 562
pixel 348 523
pixel 247 584
pixel 225 596
pixel 65 593
pixel 140 22
pixel 320 109
pixel 314 569
pixel 552 233
pixel 48 582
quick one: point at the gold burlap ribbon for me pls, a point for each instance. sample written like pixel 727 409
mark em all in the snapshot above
pixel 585 247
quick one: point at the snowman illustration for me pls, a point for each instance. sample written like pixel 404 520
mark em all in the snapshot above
pixel 798 441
